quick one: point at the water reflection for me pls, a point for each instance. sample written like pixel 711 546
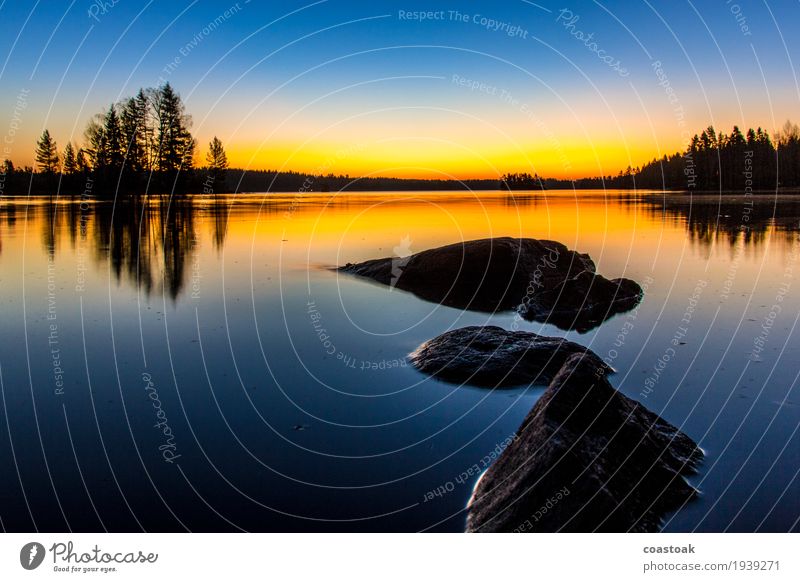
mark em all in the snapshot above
pixel 239 363
pixel 728 219
pixel 149 244
pixel 145 244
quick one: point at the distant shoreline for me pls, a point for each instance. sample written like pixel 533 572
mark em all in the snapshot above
pixel 788 192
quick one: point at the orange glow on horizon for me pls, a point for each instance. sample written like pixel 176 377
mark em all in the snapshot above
pixel 434 160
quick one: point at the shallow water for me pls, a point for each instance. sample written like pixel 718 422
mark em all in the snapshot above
pixel 282 387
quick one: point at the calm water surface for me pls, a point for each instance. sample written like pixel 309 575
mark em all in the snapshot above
pixel 197 366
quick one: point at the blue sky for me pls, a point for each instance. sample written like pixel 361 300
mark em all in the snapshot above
pixel 285 82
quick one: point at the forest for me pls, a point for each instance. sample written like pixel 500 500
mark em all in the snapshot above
pixel 712 161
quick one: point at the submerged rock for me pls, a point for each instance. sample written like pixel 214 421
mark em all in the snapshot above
pixel 583 302
pixel 542 279
pixel 493 357
pixel 586 458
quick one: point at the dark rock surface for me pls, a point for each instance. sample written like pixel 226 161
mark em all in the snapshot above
pixel 583 302
pixel 536 277
pixel 493 357
pixel 586 458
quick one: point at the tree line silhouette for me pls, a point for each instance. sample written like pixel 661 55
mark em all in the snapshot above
pixel 711 161
pixel 143 145
pixel 139 145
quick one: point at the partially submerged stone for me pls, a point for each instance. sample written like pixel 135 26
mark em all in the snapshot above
pixel 493 357
pixel 542 279
pixel 583 302
pixel 586 458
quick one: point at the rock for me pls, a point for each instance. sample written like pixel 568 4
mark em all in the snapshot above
pixel 586 458
pixel 493 357
pixel 536 277
pixel 583 302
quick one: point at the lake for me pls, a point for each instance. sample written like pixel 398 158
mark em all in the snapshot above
pixel 198 366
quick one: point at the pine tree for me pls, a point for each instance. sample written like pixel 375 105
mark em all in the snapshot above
pixel 144 105
pixel 97 150
pixel 70 165
pixel 113 138
pixel 175 143
pixel 788 140
pixel 217 163
pixel 133 125
pixel 81 162
pixel 46 154
pixel 216 159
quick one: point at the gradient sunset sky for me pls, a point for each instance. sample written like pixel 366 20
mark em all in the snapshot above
pixel 362 88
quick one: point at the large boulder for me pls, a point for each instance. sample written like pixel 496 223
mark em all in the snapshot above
pixel 493 357
pixel 586 458
pixel 538 278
